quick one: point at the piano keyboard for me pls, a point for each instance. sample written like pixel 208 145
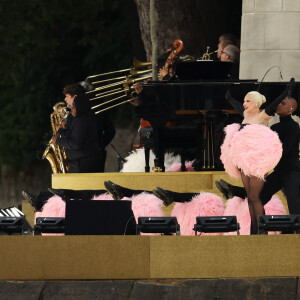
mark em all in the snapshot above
pixel 10 212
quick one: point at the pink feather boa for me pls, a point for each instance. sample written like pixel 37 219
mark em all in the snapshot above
pixel 226 153
pixel 239 207
pixel 255 149
pixel 204 204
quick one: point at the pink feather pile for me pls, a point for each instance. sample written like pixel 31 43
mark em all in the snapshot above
pixel 204 204
pixel 255 149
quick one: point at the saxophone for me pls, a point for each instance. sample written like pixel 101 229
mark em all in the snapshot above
pixel 55 154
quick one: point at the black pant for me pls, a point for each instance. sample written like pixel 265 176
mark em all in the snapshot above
pixel 80 194
pixel 288 180
pixel 89 164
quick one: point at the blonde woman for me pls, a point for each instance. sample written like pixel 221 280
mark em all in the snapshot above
pixel 251 149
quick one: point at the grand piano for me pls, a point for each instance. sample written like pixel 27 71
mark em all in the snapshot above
pixel 195 103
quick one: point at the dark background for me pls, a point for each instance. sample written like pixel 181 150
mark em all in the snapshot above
pixel 45 45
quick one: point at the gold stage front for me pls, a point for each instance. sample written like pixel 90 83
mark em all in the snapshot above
pixel 148 257
pixel 184 182
pixel 175 181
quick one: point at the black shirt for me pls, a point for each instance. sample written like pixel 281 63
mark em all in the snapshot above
pixel 288 132
pixel 80 139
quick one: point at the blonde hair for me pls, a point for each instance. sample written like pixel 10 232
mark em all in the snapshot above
pixel 257 97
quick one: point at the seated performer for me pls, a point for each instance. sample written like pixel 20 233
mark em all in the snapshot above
pixel 286 174
pixel 252 149
pixel 80 139
pixel 221 46
pixel 231 53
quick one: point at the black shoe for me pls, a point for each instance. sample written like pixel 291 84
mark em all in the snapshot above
pixel 33 200
pixel 163 195
pixel 227 187
pixel 220 188
pixel 114 189
pixel 59 193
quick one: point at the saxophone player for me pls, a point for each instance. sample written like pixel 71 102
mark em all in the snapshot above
pixel 79 137
pixel 105 128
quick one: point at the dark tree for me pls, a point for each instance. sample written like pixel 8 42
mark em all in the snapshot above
pixel 197 23
pixel 45 45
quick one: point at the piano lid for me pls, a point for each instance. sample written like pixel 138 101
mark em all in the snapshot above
pixel 204 70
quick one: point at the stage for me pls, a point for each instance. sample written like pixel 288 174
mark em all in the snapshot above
pixel 149 267
pixel 148 257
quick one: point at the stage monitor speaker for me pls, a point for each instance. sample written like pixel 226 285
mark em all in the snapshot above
pixel 284 223
pixel 165 225
pixel 217 224
pixel 99 217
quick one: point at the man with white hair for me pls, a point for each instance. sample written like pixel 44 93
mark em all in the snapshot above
pixel 231 53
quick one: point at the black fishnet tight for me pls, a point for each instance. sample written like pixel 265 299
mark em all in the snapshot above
pixel 253 186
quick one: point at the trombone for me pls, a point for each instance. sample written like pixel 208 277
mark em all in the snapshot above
pixel 137 65
pixel 120 87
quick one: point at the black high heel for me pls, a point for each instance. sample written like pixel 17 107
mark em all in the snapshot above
pixel 114 189
pixel 163 195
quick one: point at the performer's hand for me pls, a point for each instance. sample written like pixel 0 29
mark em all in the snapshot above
pixel 163 72
pixel 135 101
pixel 138 88
pixel 61 125
pixel 291 87
pixel 54 138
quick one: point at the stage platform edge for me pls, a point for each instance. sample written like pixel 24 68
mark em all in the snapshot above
pixel 175 181
pixel 148 257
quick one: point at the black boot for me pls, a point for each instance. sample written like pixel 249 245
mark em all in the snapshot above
pixel 163 195
pixel 114 189
pixel 34 200
pixel 227 187
pixel 59 193
pixel 221 189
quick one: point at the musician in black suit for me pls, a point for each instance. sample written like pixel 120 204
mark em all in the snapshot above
pixel 105 127
pixel 80 139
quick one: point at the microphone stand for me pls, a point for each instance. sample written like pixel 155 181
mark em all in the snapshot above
pixel 120 158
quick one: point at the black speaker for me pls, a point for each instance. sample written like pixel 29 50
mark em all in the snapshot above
pixel 216 224
pixel 283 223
pixel 99 217
pixel 166 225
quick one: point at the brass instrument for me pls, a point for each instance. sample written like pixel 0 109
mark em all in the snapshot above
pixel 121 86
pixel 206 55
pixel 54 153
pixel 114 91
pixel 110 90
